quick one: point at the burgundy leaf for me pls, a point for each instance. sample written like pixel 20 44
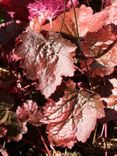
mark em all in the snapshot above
pixel 104 65
pixel 3 132
pixel 112 13
pixel 41 11
pixel 96 44
pixel 108 92
pixel 19 136
pixel 46 8
pixel 100 49
pixel 87 21
pixel 10 125
pixel 29 112
pixel 111 100
pixel 46 59
pixel 73 117
pixel 3 152
pixel 18 7
pixel 106 3
pixel 9 31
pixel 110 115
pixel 14 5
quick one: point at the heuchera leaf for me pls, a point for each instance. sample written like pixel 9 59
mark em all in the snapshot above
pixel 3 151
pixel 29 112
pixel 18 7
pixel 73 117
pixel 47 8
pixel 10 124
pixel 109 96
pixel 96 44
pixel 111 100
pixel 13 5
pixel 9 31
pixel 112 13
pixel 46 59
pixel 101 46
pixel 87 21
pixel 105 64
pixel 41 11
pixel 107 3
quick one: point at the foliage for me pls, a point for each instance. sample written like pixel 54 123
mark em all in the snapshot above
pixel 58 74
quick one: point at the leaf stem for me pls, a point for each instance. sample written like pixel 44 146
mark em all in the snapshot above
pixel 79 47
pixel 63 19
pixel 44 143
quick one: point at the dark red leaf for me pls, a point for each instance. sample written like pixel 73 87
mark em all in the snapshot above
pixel 111 100
pixel 11 126
pixel 48 9
pixel 106 3
pixel 112 13
pixel 108 92
pixel 100 49
pixel 3 152
pixel 9 31
pixel 73 117
pixel 96 44
pixel 18 7
pixel 29 112
pixel 46 59
pixel 41 11
pixel 87 21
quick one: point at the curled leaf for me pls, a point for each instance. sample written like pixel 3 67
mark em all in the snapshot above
pixel 29 112
pixel 46 59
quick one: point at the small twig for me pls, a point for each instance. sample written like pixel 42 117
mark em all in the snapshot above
pixel 63 19
pixel 102 4
pixel 106 135
pixel 30 143
pixel 27 86
pixel 94 137
pixel 79 47
pixel 4 144
pixel 44 143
